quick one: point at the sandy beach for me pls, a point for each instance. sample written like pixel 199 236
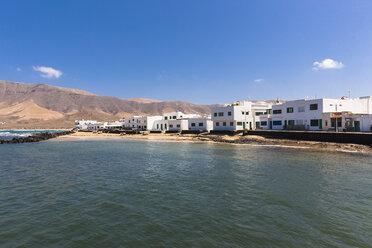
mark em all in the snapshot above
pixel 225 139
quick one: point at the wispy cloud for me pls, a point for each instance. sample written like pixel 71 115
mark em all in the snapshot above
pixel 258 80
pixel 48 72
pixel 19 69
pixel 327 64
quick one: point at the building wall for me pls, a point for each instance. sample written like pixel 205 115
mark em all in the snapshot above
pixel 299 113
pixel 200 124
pixel 231 117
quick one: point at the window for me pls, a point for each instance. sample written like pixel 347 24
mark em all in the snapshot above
pixel 229 113
pixel 277 123
pixel 201 124
pixel 301 109
pixel 269 111
pixel 314 106
pixel 291 122
pixel 129 121
pixel 178 125
pixel 220 113
pixel 299 122
pixel 277 111
pixel 165 118
pixel 224 124
pixel 231 123
pixel 314 122
pixel 239 123
pixel 258 113
pixel 247 113
pixel 165 126
pixel 215 114
pixel 157 126
pixel 170 126
pixel 263 123
pixel 290 110
pixel 174 117
pixel 193 124
pixel 217 124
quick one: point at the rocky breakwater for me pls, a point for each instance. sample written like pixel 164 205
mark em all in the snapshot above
pixel 36 137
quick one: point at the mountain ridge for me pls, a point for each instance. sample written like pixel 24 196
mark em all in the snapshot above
pixel 26 105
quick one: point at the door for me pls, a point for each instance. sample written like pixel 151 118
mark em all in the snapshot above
pixel 243 125
pixel 271 125
pixel 357 126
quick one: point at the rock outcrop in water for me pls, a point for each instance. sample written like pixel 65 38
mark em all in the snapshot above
pixel 35 138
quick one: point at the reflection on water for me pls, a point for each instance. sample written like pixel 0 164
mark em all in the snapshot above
pixel 149 194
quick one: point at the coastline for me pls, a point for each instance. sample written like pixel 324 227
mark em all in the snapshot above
pixel 224 139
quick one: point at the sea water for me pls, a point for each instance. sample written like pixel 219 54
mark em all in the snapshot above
pixel 122 193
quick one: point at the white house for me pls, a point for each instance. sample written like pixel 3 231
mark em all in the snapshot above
pixel 113 125
pixel 174 121
pixel 83 124
pixel 315 114
pixel 239 115
pixel 200 124
pixel 95 126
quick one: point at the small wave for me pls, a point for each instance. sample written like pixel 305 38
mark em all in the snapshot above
pixel 11 134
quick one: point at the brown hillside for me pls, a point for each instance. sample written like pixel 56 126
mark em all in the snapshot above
pixel 25 105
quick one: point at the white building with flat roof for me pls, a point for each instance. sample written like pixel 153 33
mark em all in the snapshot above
pixel 83 124
pixel 174 121
pixel 315 114
pixel 239 115
pixel 205 124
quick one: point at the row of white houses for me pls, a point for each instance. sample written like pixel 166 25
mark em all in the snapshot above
pixel 343 114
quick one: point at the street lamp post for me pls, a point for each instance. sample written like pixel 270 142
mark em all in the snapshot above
pixel 336 105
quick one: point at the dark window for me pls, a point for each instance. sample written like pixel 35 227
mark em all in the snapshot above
pixel 215 114
pixel 170 125
pixel 231 123
pixel 220 113
pixel 239 123
pixel 174 117
pixel 165 126
pixel 314 106
pixel 178 125
pixel 165 118
pixel 229 113
pixel 217 124
pixel 277 123
pixel 224 124
pixel 259 113
pixel 193 124
pixel 277 111
pixel 157 126
pixel 247 113
pixel 314 123
pixel 263 123
pixel 201 124
pixel 291 123
pixel 290 110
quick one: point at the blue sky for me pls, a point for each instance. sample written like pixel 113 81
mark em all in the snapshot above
pixel 198 51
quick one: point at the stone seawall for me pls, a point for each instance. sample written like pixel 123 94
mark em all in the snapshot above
pixel 339 137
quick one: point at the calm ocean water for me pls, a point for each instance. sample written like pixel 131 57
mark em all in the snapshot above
pixel 149 194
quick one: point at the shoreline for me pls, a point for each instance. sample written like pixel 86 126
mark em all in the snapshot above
pixel 223 139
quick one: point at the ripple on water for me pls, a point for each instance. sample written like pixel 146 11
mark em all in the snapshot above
pixel 149 194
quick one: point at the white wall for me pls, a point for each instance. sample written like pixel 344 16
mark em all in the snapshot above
pixel 200 124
